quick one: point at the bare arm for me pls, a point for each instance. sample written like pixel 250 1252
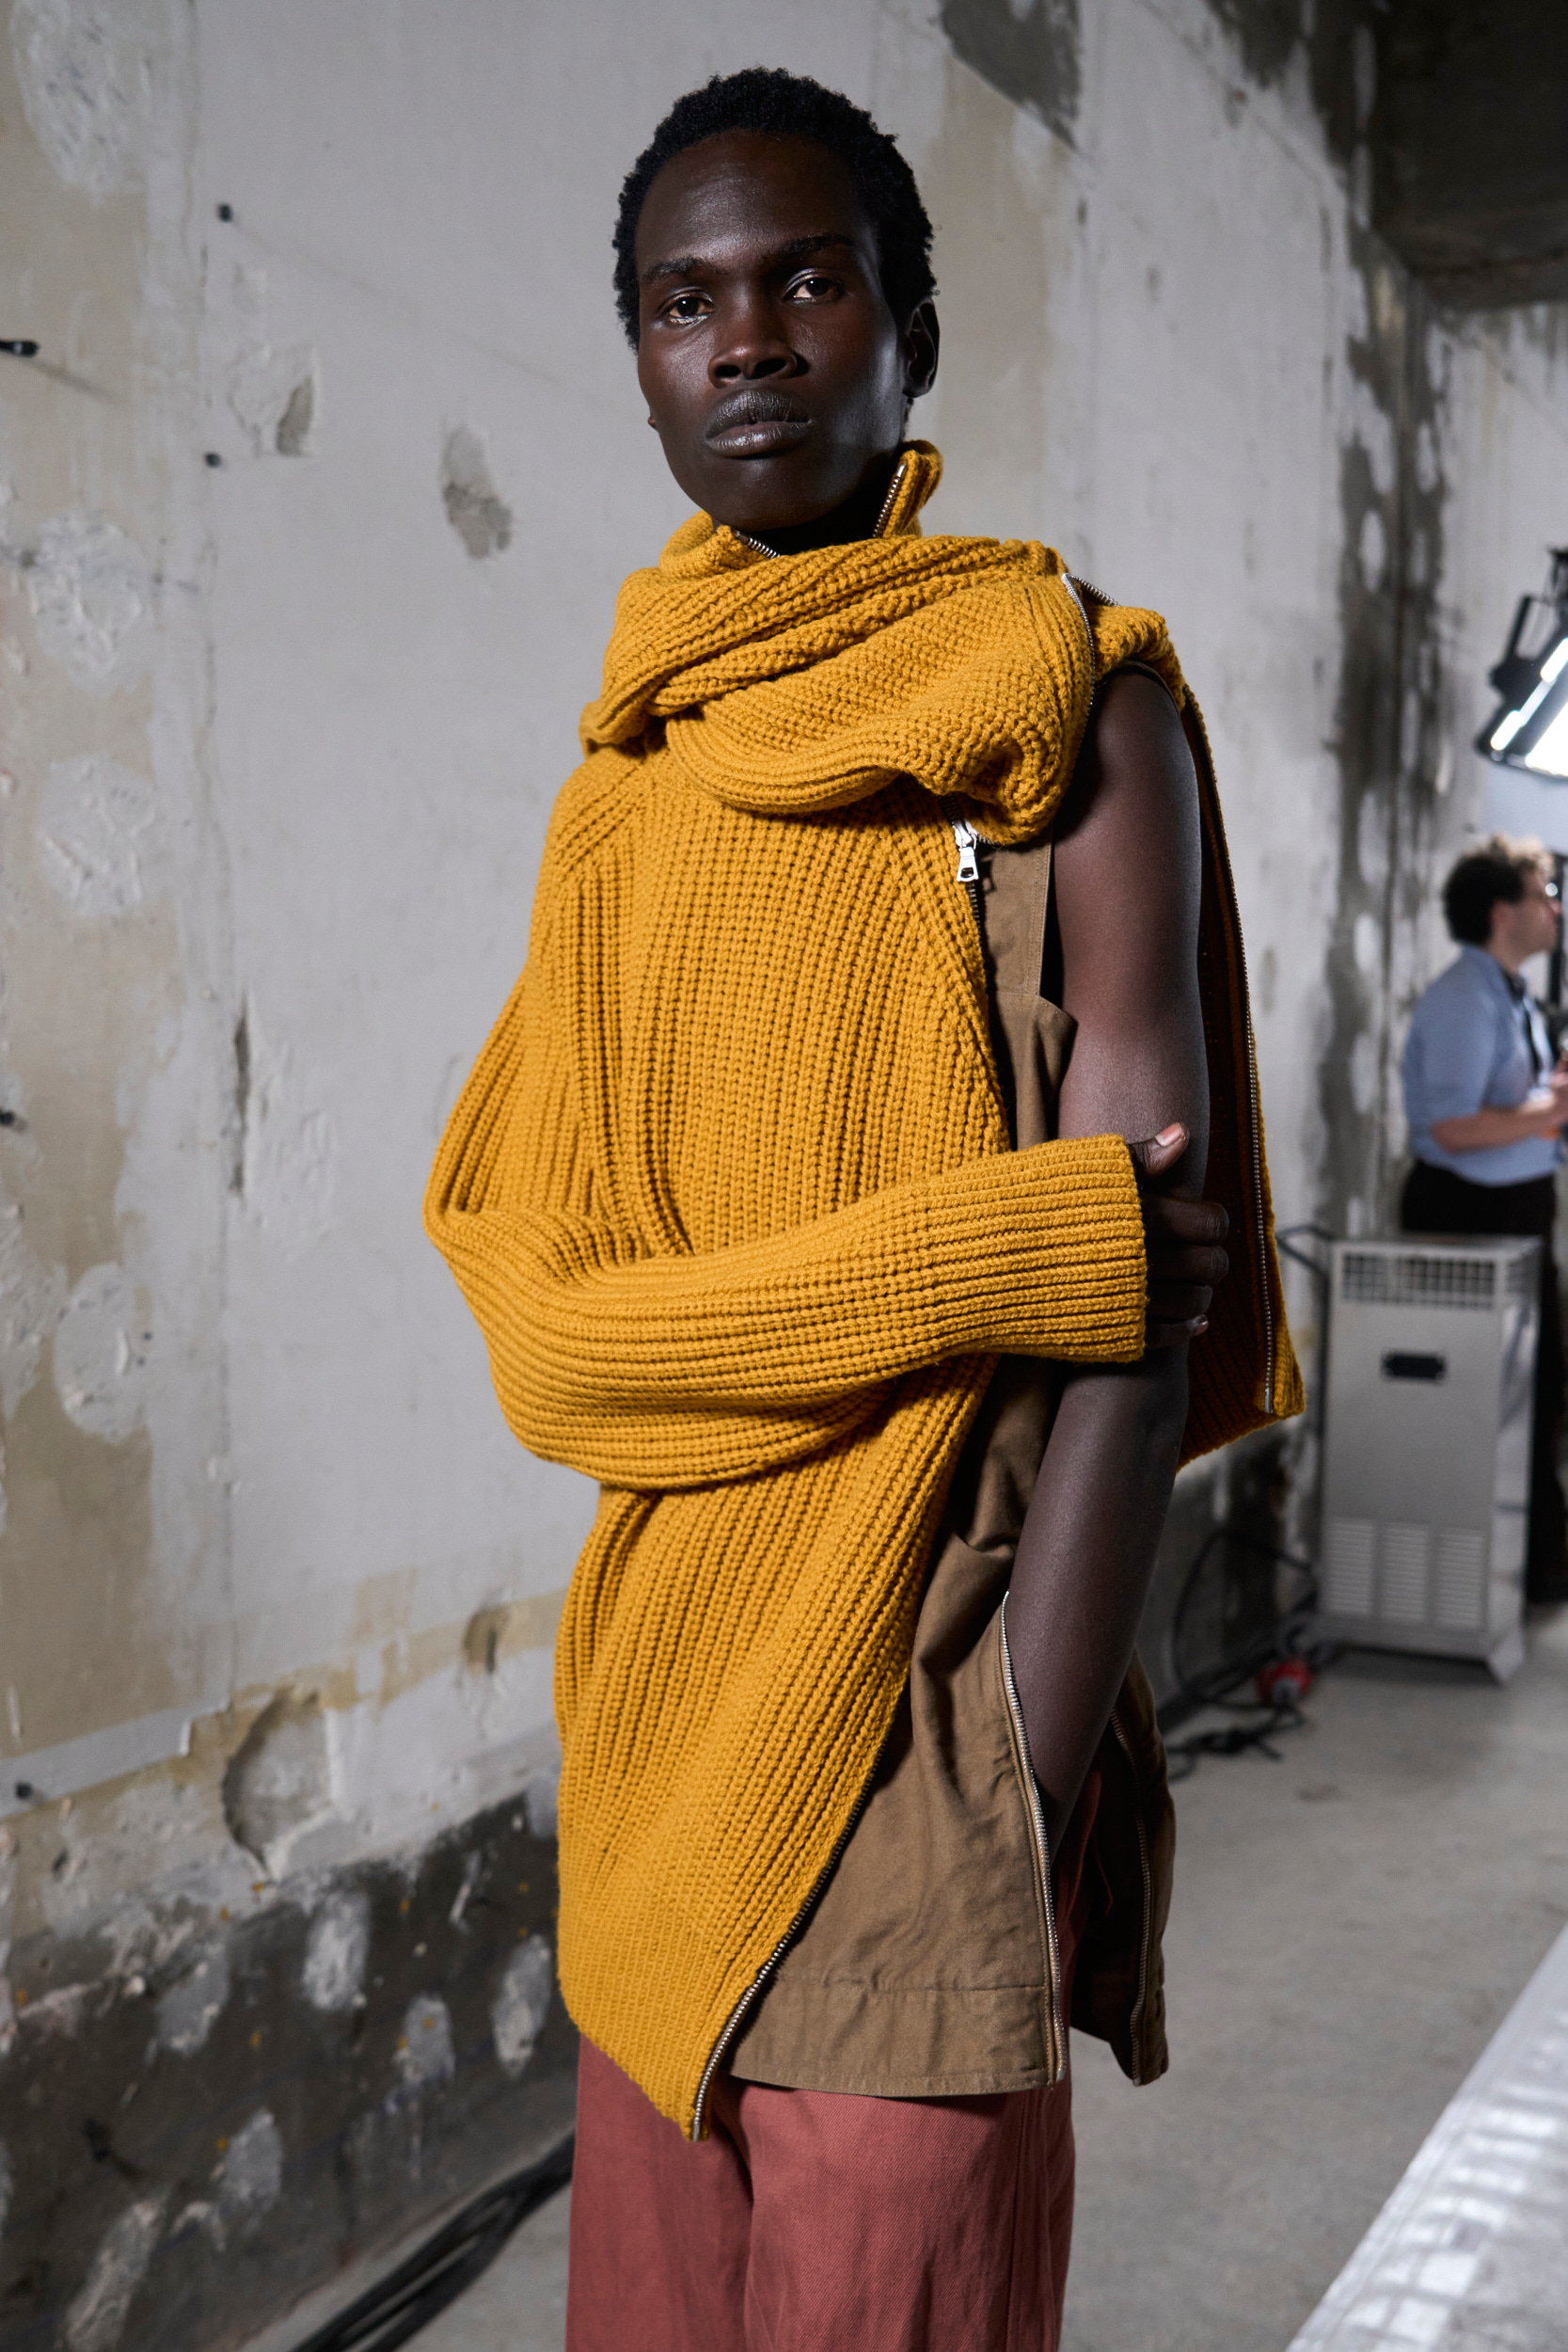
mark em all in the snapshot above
pixel 1126 879
pixel 1543 1114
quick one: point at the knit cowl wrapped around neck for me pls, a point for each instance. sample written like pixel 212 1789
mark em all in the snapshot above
pixel 731 1195
pixel 808 682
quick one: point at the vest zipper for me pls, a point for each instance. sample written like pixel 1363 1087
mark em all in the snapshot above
pixel 1255 1115
pixel 892 494
pixel 1260 1227
pixel 1146 1937
pixel 879 527
pixel 1042 1850
pixel 969 865
pixel 731 2023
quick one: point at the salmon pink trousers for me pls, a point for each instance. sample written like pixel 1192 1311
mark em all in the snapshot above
pixel 822 2221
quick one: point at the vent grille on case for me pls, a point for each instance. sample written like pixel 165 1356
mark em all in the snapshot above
pixel 1373 1278
pixel 1348 1584
pixel 1461 1579
pixel 1403 1596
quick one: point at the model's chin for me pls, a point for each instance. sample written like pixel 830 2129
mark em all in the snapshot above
pixel 769 494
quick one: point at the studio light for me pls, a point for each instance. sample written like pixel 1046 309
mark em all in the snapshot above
pixel 1530 727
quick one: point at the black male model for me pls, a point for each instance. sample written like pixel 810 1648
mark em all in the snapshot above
pixel 794 1195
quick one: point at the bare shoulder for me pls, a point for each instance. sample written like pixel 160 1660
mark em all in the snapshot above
pixel 1129 855
pixel 1134 769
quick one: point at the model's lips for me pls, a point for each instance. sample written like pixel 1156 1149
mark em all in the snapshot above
pixel 757 423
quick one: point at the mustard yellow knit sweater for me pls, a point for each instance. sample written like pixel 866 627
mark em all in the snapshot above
pixel 730 1194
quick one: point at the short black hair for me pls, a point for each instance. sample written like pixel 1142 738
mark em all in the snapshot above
pixel 789 106
pixel 1485 878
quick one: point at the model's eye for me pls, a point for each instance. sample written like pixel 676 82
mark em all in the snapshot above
pixel 814 287
pixel 683 309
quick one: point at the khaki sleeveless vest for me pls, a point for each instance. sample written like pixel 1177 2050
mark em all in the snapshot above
pixel 928 1964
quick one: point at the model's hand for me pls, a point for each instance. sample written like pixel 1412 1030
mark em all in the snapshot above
pixel 1557 1087
pixel 1181 1241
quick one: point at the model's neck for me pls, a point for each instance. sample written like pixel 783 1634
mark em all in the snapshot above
pixel 856 519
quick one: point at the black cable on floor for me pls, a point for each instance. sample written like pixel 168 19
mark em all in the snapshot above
pixel 398 2306
pixel 1182 1756
pixel 1285 1637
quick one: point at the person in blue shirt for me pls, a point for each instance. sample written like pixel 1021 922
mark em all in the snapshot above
pixel 1486 1109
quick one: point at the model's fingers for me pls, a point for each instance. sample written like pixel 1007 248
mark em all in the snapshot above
pixel 1178 1302
pixel 1156 1155
pixel 1165 1219
pixel 1173 1262
pixel 1174 1334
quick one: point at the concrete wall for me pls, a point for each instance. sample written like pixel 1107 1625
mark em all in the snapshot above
pixel 312 513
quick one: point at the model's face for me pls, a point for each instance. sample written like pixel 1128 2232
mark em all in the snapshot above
pixel 774 373
pixel 1530 926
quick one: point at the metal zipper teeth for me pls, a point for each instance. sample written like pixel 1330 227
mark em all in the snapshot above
pixel 760 548
pixel 1255 1138
pixel 1037 1815
pixel 1261 1227
pixel 732 2022
pixel 892 494
pixel 1145 1938
pixel 970 844
pixel 1072 587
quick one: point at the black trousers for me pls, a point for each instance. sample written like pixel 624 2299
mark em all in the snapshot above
pixel 1437 1201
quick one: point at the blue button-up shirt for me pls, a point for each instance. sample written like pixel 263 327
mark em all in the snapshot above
pixel 1469 1050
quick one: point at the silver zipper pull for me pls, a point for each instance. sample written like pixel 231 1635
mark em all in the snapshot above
pixel 968 841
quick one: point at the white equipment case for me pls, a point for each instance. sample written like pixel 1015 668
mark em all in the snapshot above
pixel 1427 1445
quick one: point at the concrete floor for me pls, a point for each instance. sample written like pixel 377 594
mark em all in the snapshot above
pixel 1350 1926
pixel 1470 2253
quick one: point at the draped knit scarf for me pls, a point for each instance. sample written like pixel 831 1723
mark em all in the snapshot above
pixel 730 1194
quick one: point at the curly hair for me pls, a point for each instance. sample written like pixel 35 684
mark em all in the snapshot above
pixel 789 106
pixel 1485 878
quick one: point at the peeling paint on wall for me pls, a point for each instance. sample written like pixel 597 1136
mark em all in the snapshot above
pixel 91 594
pixel 31 1297
pixel 523 2003
pixel 84 67
pixel 250 2178
pixel 475 509
pixel 293 2129
pixel 195 2001
pixel 424 2053
pixel 103 1353
pixel 279 1784
pixel 286 1148
pixel 275 397
pixel 95 830
pixel 96 2320
pixel 335 1957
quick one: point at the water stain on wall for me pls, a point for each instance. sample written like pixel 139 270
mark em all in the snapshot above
pixel 168 2220
pixel 1028 49
pixel 475 509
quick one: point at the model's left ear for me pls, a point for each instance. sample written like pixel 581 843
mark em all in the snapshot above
pixel 921 341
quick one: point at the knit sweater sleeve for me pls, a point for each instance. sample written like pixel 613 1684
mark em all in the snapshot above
pixel 675 1369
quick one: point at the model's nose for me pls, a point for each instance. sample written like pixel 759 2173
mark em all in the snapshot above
pixel 754 349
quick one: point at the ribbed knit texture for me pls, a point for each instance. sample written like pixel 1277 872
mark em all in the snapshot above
pixel 730 1194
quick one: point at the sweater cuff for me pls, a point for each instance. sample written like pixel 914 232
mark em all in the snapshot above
pixel 1041 1253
